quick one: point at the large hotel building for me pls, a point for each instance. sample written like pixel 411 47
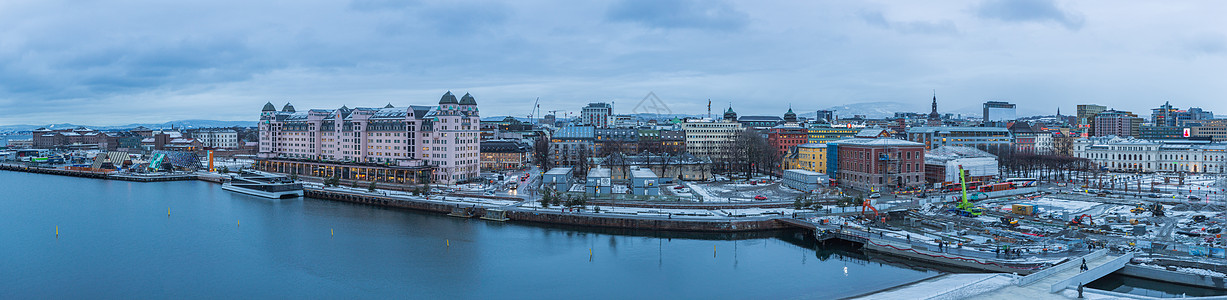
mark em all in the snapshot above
pixel 414 144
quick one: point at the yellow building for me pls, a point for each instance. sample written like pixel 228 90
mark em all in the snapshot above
pixel 810 157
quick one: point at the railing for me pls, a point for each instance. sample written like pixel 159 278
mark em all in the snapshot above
pixel 1037 276
pixel 1092 274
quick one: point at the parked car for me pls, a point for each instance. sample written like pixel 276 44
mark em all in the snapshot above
pixel 679 187
pixel 1194 198
pixel 1153 195
pixel 760 197
pixel 875 195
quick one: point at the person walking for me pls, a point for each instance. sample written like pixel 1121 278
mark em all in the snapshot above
pixel 1084 268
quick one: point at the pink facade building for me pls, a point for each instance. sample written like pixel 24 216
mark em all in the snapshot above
pixel 443 139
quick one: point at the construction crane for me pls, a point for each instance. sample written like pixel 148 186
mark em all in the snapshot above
pixel 965 207
pixel 535 111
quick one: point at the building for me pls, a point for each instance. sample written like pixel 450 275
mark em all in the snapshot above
pixel 809 157
pixel 934 119
pixel 599 114
pixel 992 139
pixel 682 166
pixel 999 113
pixel 827 116
pixel 1087 112
pixel 598 182
pixel 759 121
pixel 1166 115
pixel 1151 132
pixel 877 164
pixel 21 144
pixel 215 137
pixel 708 138
pixel 822 133
pixel 1123 154
pixel 644 182
pixel 942 164
pixel 608 140
pixel 436 143
pixel 558 179
pixel 1116 123
pixel 804 180
pixel 499 155
pixel 783 138
pixel 79 138
pixel 1044 143
pixel 571 145
pixel 1214 131
pixel 1024 137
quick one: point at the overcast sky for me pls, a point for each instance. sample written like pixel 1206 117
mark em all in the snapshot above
pixel 119 62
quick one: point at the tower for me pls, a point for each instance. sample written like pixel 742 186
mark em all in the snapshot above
pixel 934 118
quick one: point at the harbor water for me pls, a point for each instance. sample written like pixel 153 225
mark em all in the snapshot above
pixel 67 237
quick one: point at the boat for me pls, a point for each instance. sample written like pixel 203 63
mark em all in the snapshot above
pixel 263 184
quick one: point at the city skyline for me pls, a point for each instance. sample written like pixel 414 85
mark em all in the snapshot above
pixel 152 62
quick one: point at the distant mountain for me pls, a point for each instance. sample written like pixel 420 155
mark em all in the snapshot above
pixel 869 109
pixel 186 124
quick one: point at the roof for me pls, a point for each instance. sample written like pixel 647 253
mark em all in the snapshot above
pixel 467 100
pixel 804 172
pixel 642 173
pixel 448 98
pixel 954 128
pixel 504 146
pixel 870 132
pixel 599 172
pixel 883 142
pixel 576 132
pixel 558 171
pixel 948 153
pixel 267 107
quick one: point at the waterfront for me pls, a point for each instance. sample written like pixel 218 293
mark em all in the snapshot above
pixel 116 240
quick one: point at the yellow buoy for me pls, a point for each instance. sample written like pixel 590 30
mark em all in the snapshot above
pixel 238 223
pixel 57 231
pixel 332 231
pixel 449 242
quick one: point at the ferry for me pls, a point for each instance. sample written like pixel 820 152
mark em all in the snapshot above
pixel 263 185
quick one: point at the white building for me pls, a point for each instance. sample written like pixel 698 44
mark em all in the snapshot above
pixel 1137 155
pixel 216 138
pixel 708 138
pixel 1043 143
pixel 598 114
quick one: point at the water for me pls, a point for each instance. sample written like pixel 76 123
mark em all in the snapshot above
pixel 1145 287
pixel 117 241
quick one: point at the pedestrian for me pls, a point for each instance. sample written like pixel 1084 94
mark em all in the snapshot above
pixel 1084 268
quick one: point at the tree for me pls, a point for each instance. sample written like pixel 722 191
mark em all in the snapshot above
pixel 223 170
pixel 541 153
pixel 356 185
pixel 371 188
pixel 293 176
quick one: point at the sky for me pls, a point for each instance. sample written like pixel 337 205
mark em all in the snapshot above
pixel 127 61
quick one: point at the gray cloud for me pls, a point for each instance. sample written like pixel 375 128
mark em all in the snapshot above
pixel 717 15
pixel 1206 44
pixel 1029 11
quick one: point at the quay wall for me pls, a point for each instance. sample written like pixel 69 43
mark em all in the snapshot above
pixel 556 217
pixel 1213 282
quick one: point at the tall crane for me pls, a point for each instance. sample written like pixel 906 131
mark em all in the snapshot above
pixel 535 111
pixel 965 207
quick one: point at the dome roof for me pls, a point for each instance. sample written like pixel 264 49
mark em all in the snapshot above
pixel 269 107
pixel 467 100
pixel 790 116
pixel 448 98
pixel 288 107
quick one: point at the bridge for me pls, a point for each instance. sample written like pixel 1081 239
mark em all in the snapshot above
pixel 1057 282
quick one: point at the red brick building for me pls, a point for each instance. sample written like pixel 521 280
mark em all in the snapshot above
pixel 783 138
pixel 878 164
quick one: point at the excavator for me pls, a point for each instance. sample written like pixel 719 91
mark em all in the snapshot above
pixel 1077 221
pixel 966 208
pixel 876 214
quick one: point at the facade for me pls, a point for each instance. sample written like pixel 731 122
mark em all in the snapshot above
pixel 942 164
pixel 707 138
pixel 644 182
pixel 822 133
pixel 1087 112
pixel 825 116
pixel 599 114
pixel 1024 137
pixel 444 137
pixel 216 138
pixel 616 140
pixel 1116 123
pixel 877 164
pixel 572 144
pixel 803 180
pixel 505 155
pixel 760 121
pixel 558 179
pixel 984 138
pixel 1138 155
pixel 784 138
pixel 998 113
pixel 1150 132
pixel 809 157
pixel 1044 143
pixel 598 182
pixel 1215 132
pixel 1166 115
pixel 79 138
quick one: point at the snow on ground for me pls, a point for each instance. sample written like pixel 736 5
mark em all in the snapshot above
pixel 1053 205
pixel 1196 271
pixel 950 286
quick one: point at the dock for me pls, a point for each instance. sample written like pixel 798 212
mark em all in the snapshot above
pixel 99 175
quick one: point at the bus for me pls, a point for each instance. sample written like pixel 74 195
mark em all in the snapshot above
pixel 1022 182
